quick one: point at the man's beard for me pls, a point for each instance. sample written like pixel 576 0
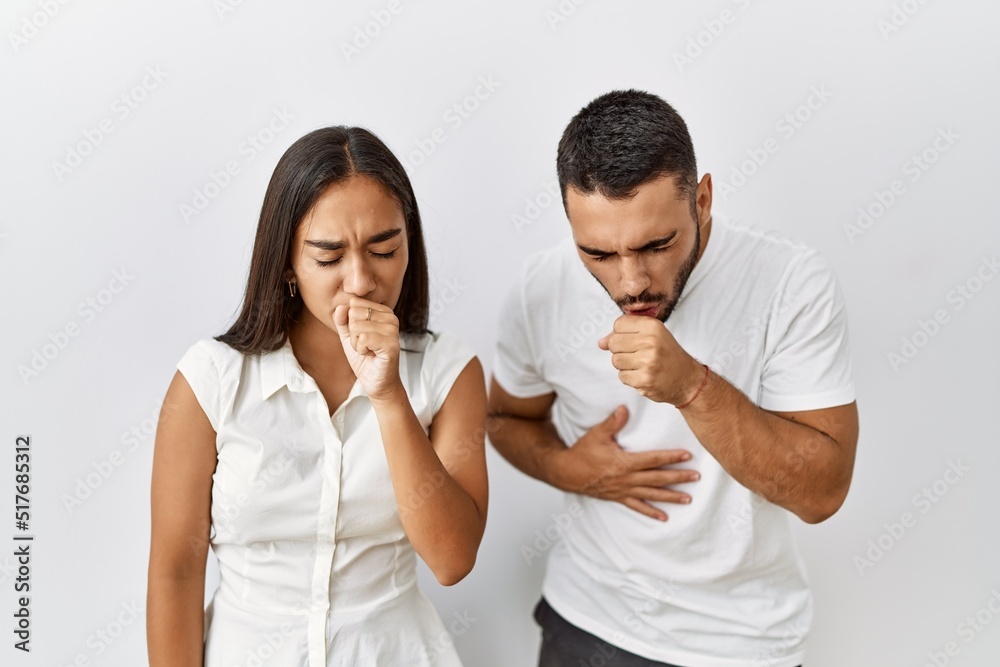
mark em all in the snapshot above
pixel 679 282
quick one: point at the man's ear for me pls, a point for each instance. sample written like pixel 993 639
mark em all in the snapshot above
pixel 704 198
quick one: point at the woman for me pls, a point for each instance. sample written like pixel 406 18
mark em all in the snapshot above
pixel 327 437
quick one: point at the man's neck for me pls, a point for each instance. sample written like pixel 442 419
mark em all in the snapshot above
pixel 706 231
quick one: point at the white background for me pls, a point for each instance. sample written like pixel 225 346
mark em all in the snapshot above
pixel 64 234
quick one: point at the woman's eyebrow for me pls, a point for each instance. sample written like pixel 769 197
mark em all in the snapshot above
pixel 323 244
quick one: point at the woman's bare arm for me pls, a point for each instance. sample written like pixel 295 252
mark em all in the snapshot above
pixel 184 459
pixel 440 481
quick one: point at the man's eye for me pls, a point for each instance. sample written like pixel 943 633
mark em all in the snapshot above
pixel 599 258
pixel 661 248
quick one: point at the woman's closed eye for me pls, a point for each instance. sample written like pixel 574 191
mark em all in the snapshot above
pixel 381 255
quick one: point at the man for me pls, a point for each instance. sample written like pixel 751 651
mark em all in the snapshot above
pixel 688 386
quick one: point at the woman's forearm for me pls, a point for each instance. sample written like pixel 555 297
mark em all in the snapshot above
pixel 175 621
pixel 441 520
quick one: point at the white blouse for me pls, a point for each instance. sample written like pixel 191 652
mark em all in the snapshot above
pixel 315 569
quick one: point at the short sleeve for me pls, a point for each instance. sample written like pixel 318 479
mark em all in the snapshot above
pixel 201 370
pixel 444 360
pixel 515 366
pixel 808 364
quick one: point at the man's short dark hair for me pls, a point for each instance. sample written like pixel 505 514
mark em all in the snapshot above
pixel 624 139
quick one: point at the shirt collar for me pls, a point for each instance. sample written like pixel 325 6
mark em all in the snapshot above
pixel 280 368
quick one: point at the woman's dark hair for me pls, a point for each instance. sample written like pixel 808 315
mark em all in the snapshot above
pixel 310 165
pixel 624 139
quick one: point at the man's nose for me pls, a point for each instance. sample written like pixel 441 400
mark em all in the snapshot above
pixel 634 277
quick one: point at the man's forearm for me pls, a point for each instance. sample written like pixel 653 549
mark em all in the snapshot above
pixel 792 465
pixel 527 444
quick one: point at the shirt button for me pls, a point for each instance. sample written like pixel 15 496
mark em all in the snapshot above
pixel 339 419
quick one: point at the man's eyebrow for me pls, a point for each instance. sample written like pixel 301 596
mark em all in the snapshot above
pixel 337 245
pixel 652 244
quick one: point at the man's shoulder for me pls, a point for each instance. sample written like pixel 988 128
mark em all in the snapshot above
pixel 546 273
pixel 550 261
pixel 767 265
pixel 753 237
pixel 759 251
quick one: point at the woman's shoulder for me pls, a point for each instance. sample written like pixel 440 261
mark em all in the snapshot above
pixel 437 356
pixel 434 361
pixel 211 355
pixel 435 345
pixel 212 369
pixel 215 348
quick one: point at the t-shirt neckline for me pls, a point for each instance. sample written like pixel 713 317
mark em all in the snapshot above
pixel 707 259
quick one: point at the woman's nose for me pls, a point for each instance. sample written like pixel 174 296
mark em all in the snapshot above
pixel 360 279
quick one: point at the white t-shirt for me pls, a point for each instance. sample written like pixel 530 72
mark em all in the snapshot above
pixel 315 568
pixel 721 583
